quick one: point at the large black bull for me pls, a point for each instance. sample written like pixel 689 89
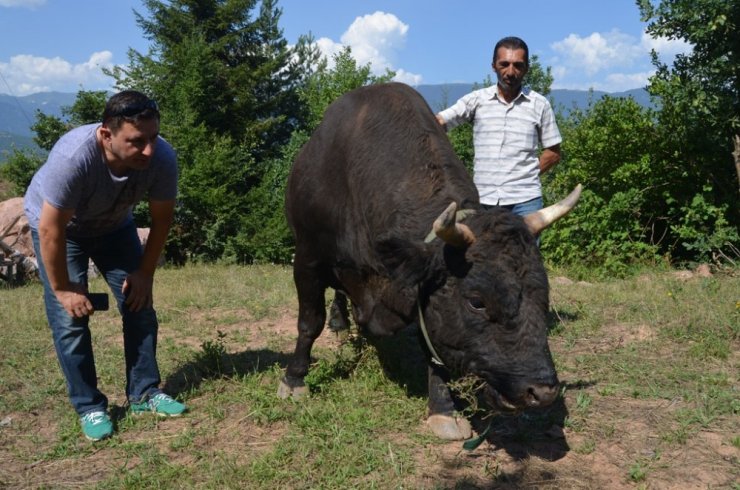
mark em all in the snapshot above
pixel 376 177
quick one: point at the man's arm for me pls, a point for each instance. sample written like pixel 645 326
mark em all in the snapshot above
pixel 53 243
pixel 441 121
pixel 549 158
pixel 138 285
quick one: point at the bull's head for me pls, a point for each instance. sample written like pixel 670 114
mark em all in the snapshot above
pixel 487 315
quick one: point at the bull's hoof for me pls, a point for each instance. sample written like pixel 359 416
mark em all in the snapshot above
pixel 292 387
pixel 450 428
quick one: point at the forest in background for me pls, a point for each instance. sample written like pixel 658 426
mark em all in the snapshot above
pixel 661 184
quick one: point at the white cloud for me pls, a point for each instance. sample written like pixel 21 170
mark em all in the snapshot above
pixel 666 48
pixel 620 82
pixel 375 39
pixel 328 49
pixel 408 78
pixel 22 3
pixel 559 72
pixel 599 51
pixel 610 61
pixel 30 74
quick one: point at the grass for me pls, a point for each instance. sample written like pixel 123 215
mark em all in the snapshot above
pixel 649 365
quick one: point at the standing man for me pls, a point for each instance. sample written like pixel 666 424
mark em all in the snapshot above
pixel 79 205
pixel 510 123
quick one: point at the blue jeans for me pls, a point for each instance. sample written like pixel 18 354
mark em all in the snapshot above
pixel 521 208
pixel 115 255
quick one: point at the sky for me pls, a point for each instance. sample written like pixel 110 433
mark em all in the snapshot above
pixel 62 45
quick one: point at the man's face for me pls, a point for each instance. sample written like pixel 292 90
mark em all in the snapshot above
pixel 133 144
pixel 510 68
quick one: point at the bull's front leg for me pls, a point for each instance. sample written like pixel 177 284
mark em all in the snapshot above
pixel 443 420
pixel 311 318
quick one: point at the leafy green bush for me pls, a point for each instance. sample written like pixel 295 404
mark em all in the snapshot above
pixel 19 169
pixel 644 199
pixel 607 149
pixel 263 234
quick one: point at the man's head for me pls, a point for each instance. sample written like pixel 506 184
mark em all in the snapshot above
pixel 511 63
pixel 128 106
pixel 130 131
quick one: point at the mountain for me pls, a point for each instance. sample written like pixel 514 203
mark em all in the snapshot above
pixel 18 114
pixel 442 96
pixel 9 142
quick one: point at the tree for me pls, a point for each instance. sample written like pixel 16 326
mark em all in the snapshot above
pixel 227 85
pixel 699 119
pixel 266 237
pixel 22 165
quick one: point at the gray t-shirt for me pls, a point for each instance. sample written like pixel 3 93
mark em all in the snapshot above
pixel 76 176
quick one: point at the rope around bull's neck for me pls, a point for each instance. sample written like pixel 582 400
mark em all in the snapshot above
pixel 460 215
pixel 422 326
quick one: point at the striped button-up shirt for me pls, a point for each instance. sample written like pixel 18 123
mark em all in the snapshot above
pixel 506 137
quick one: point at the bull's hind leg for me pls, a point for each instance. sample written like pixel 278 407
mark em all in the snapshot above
pixel 442 419
pixel 311 318
pixel 338 315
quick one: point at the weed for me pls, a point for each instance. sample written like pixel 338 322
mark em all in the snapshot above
pixel 583 401
pixel 587 447
pixel 637 472
pixel 210 359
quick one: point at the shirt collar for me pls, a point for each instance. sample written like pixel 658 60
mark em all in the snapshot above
pixel 524 92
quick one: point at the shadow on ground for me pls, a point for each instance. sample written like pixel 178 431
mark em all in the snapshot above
pixel 215 364
pixel 403 359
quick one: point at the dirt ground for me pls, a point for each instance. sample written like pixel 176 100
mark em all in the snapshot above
pixel 616 442
pixel 516 456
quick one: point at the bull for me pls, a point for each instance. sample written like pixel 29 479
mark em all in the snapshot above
pixel 384 212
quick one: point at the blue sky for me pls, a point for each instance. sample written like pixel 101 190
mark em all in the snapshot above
pixel 61 45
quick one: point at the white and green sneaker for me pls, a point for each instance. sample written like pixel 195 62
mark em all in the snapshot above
pixel 160 404
pixel 96 425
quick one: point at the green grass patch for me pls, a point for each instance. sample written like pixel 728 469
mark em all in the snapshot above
pixel 649 351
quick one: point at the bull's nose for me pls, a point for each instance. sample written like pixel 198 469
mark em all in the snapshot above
pixel 541 395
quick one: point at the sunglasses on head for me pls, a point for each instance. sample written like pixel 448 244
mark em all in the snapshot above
pixel 134 109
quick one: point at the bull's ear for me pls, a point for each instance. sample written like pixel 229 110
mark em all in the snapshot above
pixel 406 262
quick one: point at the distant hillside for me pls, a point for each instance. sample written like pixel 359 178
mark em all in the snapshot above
pixel 8 142
pixel 17 114
pixel 441 96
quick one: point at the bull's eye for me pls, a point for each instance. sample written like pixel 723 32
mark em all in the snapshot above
pixel 476 304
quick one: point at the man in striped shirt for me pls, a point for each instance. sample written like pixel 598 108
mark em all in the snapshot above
pixel 510 125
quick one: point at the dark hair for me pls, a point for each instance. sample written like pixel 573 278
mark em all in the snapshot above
pixel 131 106
pixel 512 42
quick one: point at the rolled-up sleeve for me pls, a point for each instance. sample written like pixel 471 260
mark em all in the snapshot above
pixel 461 112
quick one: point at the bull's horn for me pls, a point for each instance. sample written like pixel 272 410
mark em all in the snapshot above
pixel 539 220
pixel 455 234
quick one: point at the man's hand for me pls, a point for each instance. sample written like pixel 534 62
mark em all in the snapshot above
pixel 74 300
pixel 138 290
pixel 549 158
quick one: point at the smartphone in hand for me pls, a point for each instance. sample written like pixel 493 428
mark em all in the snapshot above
pixel 99 301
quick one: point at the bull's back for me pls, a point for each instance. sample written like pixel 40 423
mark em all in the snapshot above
pixel 378 163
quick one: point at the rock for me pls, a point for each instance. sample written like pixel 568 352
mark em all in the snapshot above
pixel 14 225
pixel 683 275
pixel 703 271
pixel 561 280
